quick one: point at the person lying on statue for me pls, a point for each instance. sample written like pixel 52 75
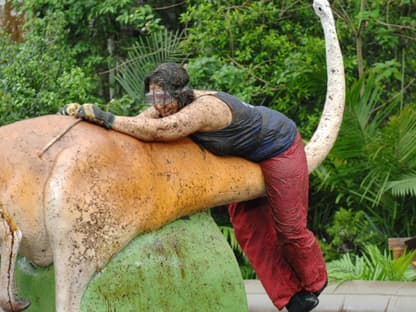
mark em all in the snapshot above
pixel 273 232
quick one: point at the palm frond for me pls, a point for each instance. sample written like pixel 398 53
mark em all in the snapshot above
pixel 392 157
pixel 345 269
pixel 363 117
pixel 375 184
pixel 400 266
pixel 143 56
pixel 406 186
pixel 405 124
pixel 365 105
pixel 372 265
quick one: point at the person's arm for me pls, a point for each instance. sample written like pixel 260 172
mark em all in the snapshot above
pixel 150 112
pixel 200 115
pixel 205 114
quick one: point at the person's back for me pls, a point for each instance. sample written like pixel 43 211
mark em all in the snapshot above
pixel 255 132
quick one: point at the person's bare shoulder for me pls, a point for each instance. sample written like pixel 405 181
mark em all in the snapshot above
pixel 215 113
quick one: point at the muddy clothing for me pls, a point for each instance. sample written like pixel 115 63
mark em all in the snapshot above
pixel 272 231
pixel 255 133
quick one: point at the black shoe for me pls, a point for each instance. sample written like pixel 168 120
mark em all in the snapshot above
pixel 317 293
pixel 303 301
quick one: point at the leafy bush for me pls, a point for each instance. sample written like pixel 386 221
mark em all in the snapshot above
pixel 379 32
pixel 372 165
pixel 97 33
pixel 372 265
pixel 350 233
pixel 277 46
pixel 39 75
pixel 212 74
pixel 91 24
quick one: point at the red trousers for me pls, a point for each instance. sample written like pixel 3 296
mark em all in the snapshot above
pixel 272 231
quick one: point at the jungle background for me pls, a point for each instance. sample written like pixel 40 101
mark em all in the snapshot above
pixel 272 53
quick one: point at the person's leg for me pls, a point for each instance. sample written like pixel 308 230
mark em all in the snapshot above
pixel 254 230
pixel 287 184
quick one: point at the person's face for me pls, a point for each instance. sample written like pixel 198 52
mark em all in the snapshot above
pixel 161 100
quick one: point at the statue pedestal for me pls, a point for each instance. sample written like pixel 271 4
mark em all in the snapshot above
pixel 185 266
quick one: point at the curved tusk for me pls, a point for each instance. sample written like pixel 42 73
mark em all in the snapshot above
pixel 326 133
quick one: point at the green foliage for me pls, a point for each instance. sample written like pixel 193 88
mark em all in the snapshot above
pixel 372 166
pixel 39 75
pixel 143 57
pixel 272 53
pixel 387 32
pixel 372 265
pixel 265 52
pixel 123 106
pixel 350 233
pixel 97 32
pixel 275 44
pixel 91 23
pixel 211 73
pixel 393 156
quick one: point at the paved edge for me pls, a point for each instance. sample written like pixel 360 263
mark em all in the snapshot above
pixel 347 296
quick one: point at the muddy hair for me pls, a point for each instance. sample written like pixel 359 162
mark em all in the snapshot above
pixel 172 78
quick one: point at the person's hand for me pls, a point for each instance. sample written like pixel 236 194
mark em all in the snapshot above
pixel 94 114
pixel 69 109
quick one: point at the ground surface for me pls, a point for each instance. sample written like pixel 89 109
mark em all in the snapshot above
pixel 348 296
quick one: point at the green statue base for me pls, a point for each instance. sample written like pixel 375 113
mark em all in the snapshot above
pixel 185 266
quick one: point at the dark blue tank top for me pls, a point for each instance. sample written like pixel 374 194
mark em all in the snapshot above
pixel 255 133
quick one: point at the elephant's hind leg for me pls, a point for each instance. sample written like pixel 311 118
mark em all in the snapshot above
pixel 10 237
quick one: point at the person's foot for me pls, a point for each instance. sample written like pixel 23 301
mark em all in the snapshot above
pixel 303 301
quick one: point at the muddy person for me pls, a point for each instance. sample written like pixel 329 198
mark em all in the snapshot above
pixel 272 231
